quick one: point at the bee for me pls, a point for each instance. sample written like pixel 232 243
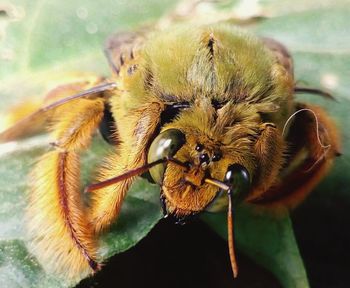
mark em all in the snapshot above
pixel 207 112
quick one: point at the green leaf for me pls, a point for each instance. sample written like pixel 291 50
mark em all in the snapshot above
pixel 267 239
pixel 19 269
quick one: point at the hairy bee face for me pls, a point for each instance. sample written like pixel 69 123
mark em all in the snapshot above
pixel 198 139
pixel 185 189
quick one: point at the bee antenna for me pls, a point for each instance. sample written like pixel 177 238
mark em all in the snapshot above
pixel 230 234
pixel 324 146
pixel 132 173
pixel 90 93
pixel 217 183
pixel 230 226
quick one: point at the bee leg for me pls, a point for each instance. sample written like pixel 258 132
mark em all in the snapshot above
pixel 137 131
pixel 314 143
pixel 269 150
pixel 61 237
pixel 314 91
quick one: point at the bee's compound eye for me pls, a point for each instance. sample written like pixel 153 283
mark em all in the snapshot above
pixel 238 178
pixel 166 144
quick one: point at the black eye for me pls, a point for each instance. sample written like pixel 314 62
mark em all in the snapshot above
pixel 217 156
pixel 166 144
pixel 199 147
pixel 238 178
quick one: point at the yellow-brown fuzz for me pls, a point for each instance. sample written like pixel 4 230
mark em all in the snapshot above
pixel 61 237
pixel 134 129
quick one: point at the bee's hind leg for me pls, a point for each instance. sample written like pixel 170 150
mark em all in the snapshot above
pixel 61 237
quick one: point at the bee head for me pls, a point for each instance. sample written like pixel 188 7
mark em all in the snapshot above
pixel 198 175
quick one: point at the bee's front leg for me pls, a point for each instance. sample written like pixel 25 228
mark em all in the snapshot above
pixel 269 151
pixel 137 131
pixel 61 237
